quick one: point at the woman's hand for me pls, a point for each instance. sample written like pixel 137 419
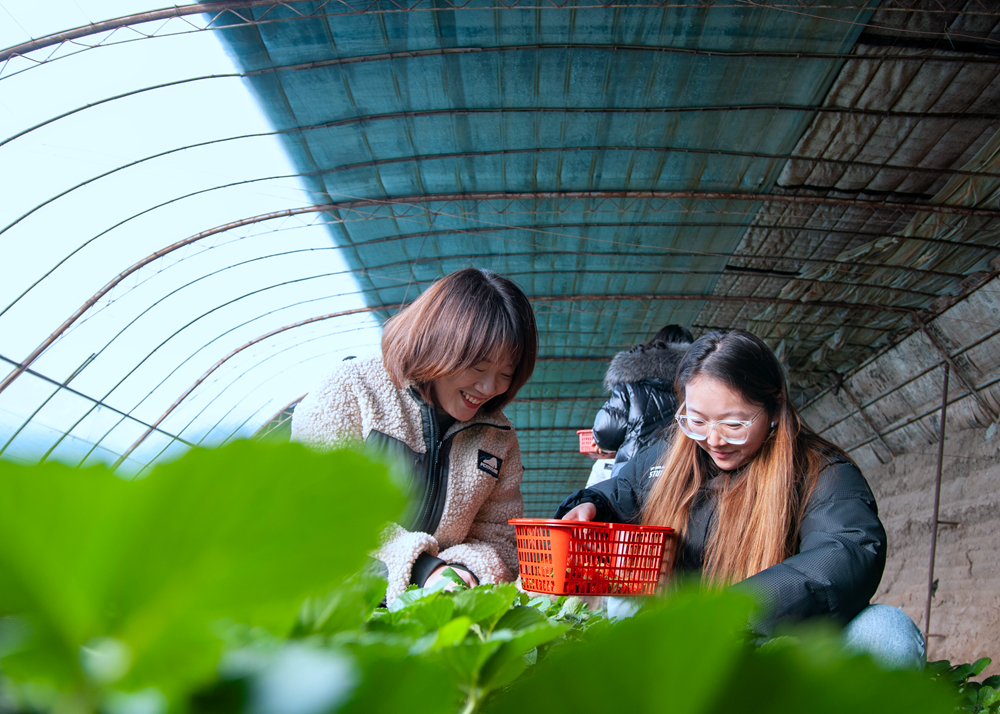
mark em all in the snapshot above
pixel 438 573
pixel 583 512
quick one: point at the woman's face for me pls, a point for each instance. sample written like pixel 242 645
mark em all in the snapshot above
pixel 462 394
pixel 710 399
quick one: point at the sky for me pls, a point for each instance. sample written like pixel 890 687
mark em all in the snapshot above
pixel 85 197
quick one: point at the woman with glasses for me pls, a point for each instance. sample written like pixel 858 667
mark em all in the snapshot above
pixel 760 500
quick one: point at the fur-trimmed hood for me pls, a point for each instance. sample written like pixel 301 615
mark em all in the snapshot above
pixel 646 362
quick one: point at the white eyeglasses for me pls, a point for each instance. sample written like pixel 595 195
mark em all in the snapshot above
pixel 732 431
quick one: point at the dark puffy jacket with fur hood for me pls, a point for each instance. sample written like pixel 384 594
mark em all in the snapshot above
pixel 642 402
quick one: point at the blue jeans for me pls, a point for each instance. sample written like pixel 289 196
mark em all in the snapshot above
pixel 888 636
pixel 885 633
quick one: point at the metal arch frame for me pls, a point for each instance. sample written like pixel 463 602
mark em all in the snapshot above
pixel 64 386
pixel 926 413
pixel 463 155
pixel 541 228
pixel 686 297
pixel 945 357
pixel 251 343
pixel 311 339
pixel 529 228
pixel 120 223
pixel 988 116
pixel 918 322
pixel 666 196
pixel 946 360
pixel 253 390
pixel 277 414
pixel 250 392
pixel 554 298
pixel 243 324
pixel 230 6
pixel 142 263
pixel 187 359
pixel 507 197
pixel 262 289
pixel 275 285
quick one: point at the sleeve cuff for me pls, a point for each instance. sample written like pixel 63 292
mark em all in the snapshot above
pixel 423 567
pixel 458 566
pixel 605 514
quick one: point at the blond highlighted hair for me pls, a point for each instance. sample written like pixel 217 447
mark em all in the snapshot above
pixel 759 507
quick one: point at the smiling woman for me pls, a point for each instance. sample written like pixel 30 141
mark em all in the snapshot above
pixel 759 500
pixel 432 402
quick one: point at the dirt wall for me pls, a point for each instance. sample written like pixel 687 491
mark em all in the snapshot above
pixel 965 609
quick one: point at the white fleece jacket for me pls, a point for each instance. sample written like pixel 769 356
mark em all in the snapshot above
pixel 358 398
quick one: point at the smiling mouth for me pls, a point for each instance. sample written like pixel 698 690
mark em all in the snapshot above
pixel 470 399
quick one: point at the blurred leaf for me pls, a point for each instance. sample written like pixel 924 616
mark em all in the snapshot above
pixel 484 606
pixel 689 656
pixel 465 659
pixel 992 696
pixel 451 634
pixel 411 685
pixel 938 667
pixel 812 673
pixel 244 532
pixel 668 658
pixel 979 666
pixel 507 663
pixel 413 595
pixel 521 618
pixel 432 614
pixel 454 578
pixel 345 608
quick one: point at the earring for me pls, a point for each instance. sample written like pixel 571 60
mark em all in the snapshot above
pixel 774 424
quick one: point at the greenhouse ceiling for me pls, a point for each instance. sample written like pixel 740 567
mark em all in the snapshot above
pixel 823 174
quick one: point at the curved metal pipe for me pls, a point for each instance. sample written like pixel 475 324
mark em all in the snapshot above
pixel 146 261
pixel 235 352
pixel 513 197
pixel 221 7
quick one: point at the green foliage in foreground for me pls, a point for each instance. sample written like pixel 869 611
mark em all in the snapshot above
pixel 976 697
pixel 222 583
pixel 119 584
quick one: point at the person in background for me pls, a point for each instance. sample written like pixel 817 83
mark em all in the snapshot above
pixel 643 401
pixel 432 401
pixel 760 502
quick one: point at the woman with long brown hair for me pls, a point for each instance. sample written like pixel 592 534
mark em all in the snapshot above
pixel 432 401
pixel 758 499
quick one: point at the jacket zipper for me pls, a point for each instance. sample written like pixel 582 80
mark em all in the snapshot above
pixel 433 476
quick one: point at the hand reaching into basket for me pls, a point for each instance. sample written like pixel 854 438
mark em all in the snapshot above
pixel 583 512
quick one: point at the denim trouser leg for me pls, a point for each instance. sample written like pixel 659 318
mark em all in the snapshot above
pixel 888 635
pixel 885 633
pixel 620 608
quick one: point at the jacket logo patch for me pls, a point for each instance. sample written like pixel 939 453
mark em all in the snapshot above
pixel 489 463
pixel 654 472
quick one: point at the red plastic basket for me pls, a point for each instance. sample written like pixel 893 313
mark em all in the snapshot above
pixel 586 558
pixel 587 445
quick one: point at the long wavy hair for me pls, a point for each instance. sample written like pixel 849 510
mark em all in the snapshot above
pixel 759 506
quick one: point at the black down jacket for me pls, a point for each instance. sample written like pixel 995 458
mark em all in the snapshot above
pixel 642 402
pixel 841 551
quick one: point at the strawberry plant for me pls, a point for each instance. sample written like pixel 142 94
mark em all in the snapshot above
pixel 975 697
pixel 235 582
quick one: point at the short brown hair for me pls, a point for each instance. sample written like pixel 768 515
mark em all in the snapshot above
pixel 467 317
